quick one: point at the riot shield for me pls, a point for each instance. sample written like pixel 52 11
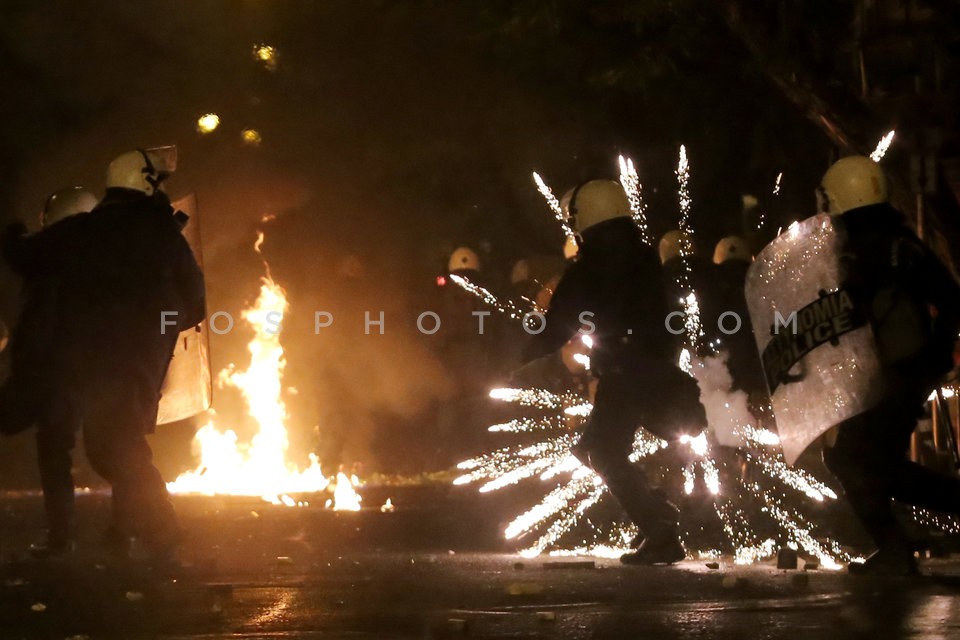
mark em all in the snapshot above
pixel 818 352
pixel 188 388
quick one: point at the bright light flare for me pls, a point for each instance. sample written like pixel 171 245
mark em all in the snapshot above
pixel 208 123
pixel 251 137
pixel 267 55
pixel 583 360
pixel 883 146
pixel 698 444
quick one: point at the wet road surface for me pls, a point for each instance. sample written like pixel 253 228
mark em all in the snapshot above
pixel 257 571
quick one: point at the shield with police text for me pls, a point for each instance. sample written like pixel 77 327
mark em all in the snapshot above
pixel 818 351
pixel 188 387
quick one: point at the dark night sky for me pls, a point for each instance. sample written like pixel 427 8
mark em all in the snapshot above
pixel 392 132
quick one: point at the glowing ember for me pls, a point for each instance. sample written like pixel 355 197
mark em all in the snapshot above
pixel 260 467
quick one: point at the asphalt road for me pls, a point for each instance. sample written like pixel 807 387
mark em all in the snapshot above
pixel 436 569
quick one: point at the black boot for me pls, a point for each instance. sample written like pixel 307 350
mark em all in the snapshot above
pixel 665 550
pixel 887 562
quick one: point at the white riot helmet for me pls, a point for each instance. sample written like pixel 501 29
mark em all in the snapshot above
pixel 671 245
pixel 142 170
pixel 732 248
pixel 463 259
pixel 65 203
pixel 594 202
pixel 852 182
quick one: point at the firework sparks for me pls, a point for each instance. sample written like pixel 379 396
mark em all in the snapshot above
pixel 691 307
pixel 801 532
pixel 527 425
pixel 512 464
pixel 575 488
pixel 566 521
pixel 683 193
pixel 691 321
pixel 762 218
pixel 508 308
pixel 797 479
pixel 883 146
pixel 553 503
pixel 630 181
pixel 554 205
pixel 540 398
pixel 945 523
pixel 645 444
pixel 748 548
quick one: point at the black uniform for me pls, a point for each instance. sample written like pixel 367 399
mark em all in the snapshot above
pixel 619 280
pixel 725 294
pixel 36 393
pixel 913 305
pixel 119 268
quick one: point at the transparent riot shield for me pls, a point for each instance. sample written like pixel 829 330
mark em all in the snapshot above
pixel 818 352
pixel 188 388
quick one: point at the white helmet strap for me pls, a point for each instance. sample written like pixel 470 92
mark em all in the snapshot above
pixel 151 175
pixel 572 207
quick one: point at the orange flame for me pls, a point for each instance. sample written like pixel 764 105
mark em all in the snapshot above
pixel 260 467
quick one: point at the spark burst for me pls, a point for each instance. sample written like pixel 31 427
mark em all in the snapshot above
pixel 508 308
pixel 575 489
pixel 630 180
pixel 883 146
pixel 554 205
pixel 691 307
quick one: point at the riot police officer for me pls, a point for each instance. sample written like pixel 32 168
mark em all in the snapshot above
pixel 912 303
pixel 124 268
pixel 617 281
pixel 36 391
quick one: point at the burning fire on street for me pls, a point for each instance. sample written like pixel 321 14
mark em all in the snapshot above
pixel 261 467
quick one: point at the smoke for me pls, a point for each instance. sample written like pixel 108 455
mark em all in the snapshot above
pixel 727 411
pixel 366 160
